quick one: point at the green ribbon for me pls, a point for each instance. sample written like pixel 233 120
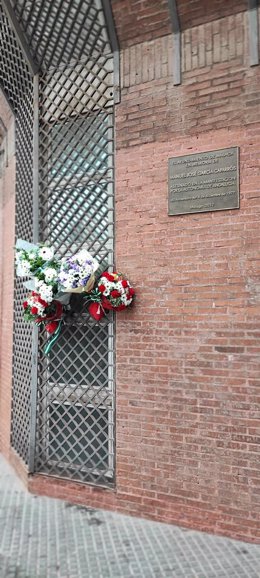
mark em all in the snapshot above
pixel 94 296
pixel 53 338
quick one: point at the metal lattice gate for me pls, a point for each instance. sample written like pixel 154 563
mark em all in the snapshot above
pixel 17 85
pixel 71 407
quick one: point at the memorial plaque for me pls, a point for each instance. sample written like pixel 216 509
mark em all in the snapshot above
pixel 204 182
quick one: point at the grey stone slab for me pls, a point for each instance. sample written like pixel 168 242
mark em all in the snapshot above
pixel 46 538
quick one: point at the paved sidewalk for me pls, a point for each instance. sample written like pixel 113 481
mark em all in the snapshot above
pixel 45 538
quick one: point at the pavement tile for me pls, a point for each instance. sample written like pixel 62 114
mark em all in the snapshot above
pixel 45 538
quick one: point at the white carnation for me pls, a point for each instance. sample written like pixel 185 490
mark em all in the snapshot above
pixel 84 256
pixel 40 308
pixel 46 253
pixel 25 267
pixel 38 284
pixel 50 274
pixel 45 292
pixel 124 299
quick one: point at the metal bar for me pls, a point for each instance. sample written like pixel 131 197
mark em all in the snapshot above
pixel 5 132
pixel 106 4
pixel 176 42
pixel 177 58
pixel 116 58
pixel 33 66
pixel 33 408
pixel 109 20
pixel 36 161
pixel 253 32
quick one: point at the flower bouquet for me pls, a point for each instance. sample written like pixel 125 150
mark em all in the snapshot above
pixel 52 280
pixel 76 274
pixel 38 263
pixel 113 292
pixel 39 311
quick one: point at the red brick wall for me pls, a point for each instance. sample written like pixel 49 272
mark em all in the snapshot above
pixel 202 11
pixel 140 20
pixel 7 213
pixel 188 352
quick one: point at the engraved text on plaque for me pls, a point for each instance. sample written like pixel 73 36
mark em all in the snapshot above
pixel 204 182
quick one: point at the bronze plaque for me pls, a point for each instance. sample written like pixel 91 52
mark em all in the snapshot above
pixel 204 182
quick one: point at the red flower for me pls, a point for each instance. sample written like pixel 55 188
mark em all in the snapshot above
pixel 55 315
pixel 51 327
pixel 34 310
pixel 131 292
pixel 25 304
pixel 108 276
pixel 115 293
pixel 42 302
pixel 124 283
pixel 101 288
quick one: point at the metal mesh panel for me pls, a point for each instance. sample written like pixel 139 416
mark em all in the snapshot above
pixel 14 74
pixel 60 31
pixel 75 431
pixel 73 421
pixel 18 88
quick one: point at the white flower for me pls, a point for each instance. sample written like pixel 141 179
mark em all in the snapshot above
pixel 84 256
pixel 46 296
pixel 105 282
pixel 31 255
pixel 38 284
pixel 45 292
pixel 40 308
pixel 50 274
pixel 46 253
pixel 25 267
pixel 18 257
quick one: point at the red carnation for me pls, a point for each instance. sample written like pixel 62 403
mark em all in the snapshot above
pixel 34 310
pixel 101 288
pixel 42 302
pixel 131 292
pixel 115 293
pixel 124 283
pixel 25 304
pixel 108 276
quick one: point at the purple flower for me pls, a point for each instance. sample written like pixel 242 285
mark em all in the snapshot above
pixel 85 280
pixel 62 278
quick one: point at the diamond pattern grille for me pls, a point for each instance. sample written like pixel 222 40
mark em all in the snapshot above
pixel 75 431
pixel 60 31
pixel 74 419
pixel 18 88
pixel 75 401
